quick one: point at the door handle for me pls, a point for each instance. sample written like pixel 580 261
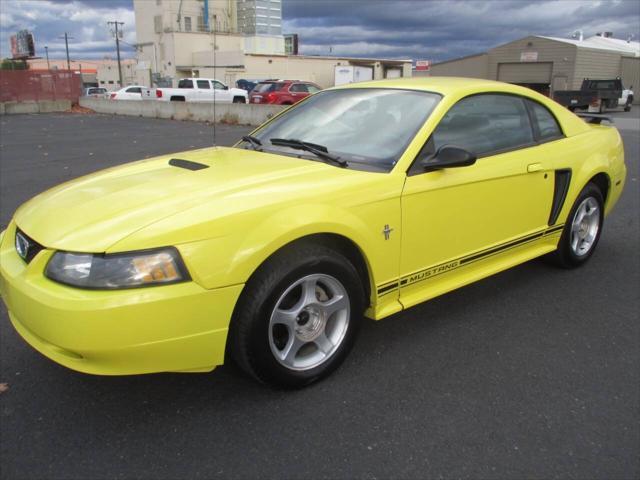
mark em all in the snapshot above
pixel 534 167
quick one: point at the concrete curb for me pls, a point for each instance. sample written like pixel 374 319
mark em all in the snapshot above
pixel 234 114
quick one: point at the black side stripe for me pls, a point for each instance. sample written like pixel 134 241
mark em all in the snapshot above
pixel 439 269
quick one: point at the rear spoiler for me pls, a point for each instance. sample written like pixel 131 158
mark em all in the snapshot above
pixel 595 118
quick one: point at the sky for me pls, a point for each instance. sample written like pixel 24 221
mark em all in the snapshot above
pixel 419 29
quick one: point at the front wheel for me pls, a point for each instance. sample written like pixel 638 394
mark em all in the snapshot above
pixel 582 231
pixel 297 318
pixel 627 106
pixel 239 100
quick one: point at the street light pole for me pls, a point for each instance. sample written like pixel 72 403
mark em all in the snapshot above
pixel 46 51
pixel 115 23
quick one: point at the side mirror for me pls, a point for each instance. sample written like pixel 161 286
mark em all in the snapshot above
pixel 225 88
pixel 449 156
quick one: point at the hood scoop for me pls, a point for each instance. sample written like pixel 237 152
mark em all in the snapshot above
pixel 187 164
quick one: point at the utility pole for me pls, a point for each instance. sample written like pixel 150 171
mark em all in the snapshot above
pixel 66 44
pixel 46 51
pixel 115 23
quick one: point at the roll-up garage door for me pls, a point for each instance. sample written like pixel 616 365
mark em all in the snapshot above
pixel 539 72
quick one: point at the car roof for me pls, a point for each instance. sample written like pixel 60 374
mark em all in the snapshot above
pixel 442 85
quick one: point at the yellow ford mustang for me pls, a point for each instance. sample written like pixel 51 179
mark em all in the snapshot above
pixel 365 199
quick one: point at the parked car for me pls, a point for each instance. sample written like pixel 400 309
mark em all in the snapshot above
pixel 596 95
pixel 132 92
pixel 198 90
pixel 363 200
pixel 282 92
pixel 96 92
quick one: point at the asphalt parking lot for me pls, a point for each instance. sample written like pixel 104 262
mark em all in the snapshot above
pixel 534 372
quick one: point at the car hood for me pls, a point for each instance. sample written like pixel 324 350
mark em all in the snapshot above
pixel 92 213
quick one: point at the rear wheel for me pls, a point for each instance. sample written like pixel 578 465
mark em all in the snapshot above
pixel 297 318
pixel 582 231
pixel 627 106
pixel 239 100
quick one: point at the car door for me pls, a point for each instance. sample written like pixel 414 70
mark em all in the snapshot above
pixel 453 216
pixel 204 92
pixel 222 93
pixel 298 91
pixel 133 93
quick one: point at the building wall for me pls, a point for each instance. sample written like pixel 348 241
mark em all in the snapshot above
pixel 108 77
pixel 630 74
pixel 595 64
pixel 561 55
pixel 475 66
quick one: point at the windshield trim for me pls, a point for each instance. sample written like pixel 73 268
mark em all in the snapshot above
pixel 367 166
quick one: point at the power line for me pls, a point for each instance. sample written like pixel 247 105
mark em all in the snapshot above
pixel 115 23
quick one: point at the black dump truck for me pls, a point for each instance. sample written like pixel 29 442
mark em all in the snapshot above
pixel 596 95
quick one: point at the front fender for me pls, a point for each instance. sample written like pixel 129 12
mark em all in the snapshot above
pixel 242 253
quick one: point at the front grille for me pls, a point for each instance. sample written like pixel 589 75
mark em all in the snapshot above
pixel 26 246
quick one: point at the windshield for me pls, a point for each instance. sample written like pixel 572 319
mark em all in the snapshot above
pixel 267 87
pixel 370 126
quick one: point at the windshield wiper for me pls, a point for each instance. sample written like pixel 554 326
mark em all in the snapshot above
pixel 319 151
pixel 254 142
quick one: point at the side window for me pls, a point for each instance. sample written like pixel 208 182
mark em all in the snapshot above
pixel 204 84
pixel 217 85
pixel 312 88
pixel 485 124
pixel 134 90
pixel 547 124
pixel 298 88
pixel 185 83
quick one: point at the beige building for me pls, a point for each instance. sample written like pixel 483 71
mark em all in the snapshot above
pixel 547 64
pixel 95 72
pixel 107 74
pixel 176 39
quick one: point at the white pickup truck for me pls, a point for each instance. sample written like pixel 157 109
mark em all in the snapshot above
pixel 197 90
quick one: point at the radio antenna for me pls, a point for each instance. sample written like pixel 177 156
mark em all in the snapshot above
pixel 215 74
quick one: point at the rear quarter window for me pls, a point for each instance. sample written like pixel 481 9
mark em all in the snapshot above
pixel 185 83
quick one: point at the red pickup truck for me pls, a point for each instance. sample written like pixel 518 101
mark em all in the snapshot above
pixel 282 92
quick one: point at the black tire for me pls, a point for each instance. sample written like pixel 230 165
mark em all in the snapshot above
pixel 565 256
pixel 603 106
pixel 250 344
pixel 627 107
pixel 238 100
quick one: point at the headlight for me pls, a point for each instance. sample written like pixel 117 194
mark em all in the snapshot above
pixel 118 270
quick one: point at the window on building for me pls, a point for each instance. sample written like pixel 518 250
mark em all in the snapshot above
pixel 187 24
pixel 204 84
pixel 547 125
pixel 200 20
pixel 485 124
pixel 157 23
pixel 110 82
pixel 158 2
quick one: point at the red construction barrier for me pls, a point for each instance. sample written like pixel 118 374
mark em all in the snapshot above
pixel 25 85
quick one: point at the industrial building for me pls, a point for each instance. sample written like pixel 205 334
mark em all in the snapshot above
pixel 548 64
pixel 176 39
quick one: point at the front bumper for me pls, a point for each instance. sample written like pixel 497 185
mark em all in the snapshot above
pixel 180 327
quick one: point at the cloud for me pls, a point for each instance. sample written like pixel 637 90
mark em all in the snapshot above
pixel 86 22
pixel 419 29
